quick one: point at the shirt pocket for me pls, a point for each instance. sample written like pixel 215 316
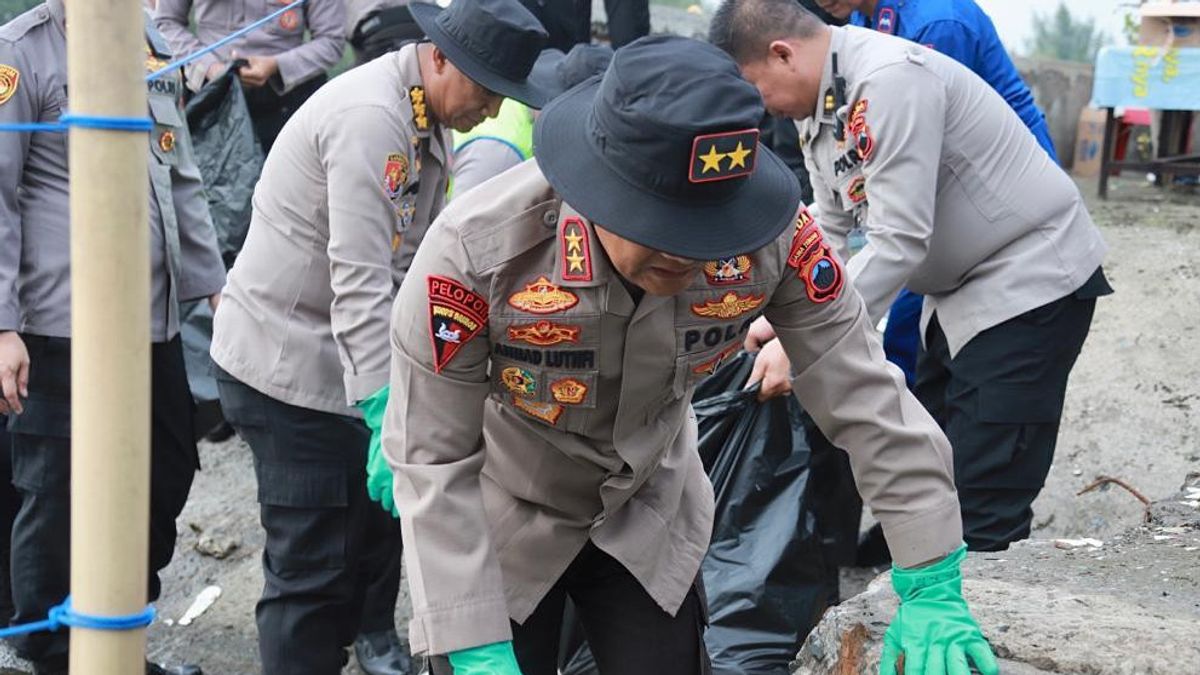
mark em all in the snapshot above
pixel 850 189
pixel 710 327
pixel 168 126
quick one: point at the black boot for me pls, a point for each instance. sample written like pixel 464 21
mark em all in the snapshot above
pixel 382 653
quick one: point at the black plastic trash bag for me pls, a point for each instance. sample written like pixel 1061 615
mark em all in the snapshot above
pixel 230 162
pixel 768 575
pixel 228 155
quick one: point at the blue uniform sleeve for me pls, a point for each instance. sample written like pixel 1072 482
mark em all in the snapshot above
pixel 954 39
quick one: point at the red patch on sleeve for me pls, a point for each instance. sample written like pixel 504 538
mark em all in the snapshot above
pixel 456 315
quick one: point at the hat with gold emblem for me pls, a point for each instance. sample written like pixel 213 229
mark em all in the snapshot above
pixel 663 150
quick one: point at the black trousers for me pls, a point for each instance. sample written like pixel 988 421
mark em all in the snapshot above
pixel 10 503
pixel 41 449
pixel 629 634
pixel 328 546
pixel 569 22
pixel 270 110
pixel 999 400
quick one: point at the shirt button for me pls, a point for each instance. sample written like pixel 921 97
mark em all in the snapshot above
pixel 550 218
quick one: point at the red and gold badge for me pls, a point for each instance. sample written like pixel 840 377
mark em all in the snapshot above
pixel 546 412
pixel 543 297
pixel 576 250
pixel 822 275
pixel 726 271
pixel 519 381
pixel 569 390
pixel 710 366
pixel 416 97
pixel 9 79
pixel 166 141
pixel 456 314
pixel 543 333
pixel 860 131
pixel 289 20
pixel 395 174
pixel 807 240
pixel 730 305
pixel 857 190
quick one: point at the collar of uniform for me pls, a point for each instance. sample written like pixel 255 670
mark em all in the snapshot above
pixel 837 41
pixel 58 12
pixel 410 76
pixel 579 260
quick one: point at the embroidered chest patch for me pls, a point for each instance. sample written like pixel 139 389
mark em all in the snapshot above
pixel 456 315
pixel 543 297
pixel 395 174
pixel 543 333
pixel 729 306
pixel 9 79
pixel 735 270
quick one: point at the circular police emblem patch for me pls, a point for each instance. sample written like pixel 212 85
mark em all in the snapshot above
pixel 822 276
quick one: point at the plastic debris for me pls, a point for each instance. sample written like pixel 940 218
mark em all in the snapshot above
pixel 1071 544
pixel 203 601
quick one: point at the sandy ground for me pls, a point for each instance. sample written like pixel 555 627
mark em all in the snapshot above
pixel 1131 413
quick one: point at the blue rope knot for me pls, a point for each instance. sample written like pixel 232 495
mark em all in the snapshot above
pixel 64 615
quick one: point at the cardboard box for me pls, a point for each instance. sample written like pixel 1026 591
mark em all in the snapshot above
pixel 1088 143
pixel 1175 24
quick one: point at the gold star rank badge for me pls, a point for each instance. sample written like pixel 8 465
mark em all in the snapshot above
pixel 416 97
pixel 576 250
pixel 725 155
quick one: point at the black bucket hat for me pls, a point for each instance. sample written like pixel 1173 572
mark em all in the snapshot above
pixel 555 72
pixel 663 150
pixel 493 42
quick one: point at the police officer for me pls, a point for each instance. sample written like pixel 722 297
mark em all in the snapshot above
pixel 959 202
pixel 344 200
pixel 278 68
pixel 500 143
pixel 546 344
pixel 961 30
pixel 35 320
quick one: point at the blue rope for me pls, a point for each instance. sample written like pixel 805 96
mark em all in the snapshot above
pixel 179 63
pixel 68 120
pixel 64 615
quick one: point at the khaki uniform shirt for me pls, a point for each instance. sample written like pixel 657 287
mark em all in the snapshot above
pixel 35 256
pixel 956 198
pixel 350 186
pixel 535 406
pixel 282 38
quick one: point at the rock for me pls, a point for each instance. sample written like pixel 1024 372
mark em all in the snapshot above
pixel 1133 607
pixel 216 546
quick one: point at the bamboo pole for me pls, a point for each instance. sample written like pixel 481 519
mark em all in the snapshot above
pixel 110 315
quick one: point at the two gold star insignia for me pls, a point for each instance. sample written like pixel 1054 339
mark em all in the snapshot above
pixel 712 160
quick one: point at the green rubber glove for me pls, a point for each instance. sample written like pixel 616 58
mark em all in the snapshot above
pixel 379 474
pixel 933 627
pixel 494 659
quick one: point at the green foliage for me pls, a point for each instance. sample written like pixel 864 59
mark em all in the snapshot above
pixel 1061 36
pixel 11 9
